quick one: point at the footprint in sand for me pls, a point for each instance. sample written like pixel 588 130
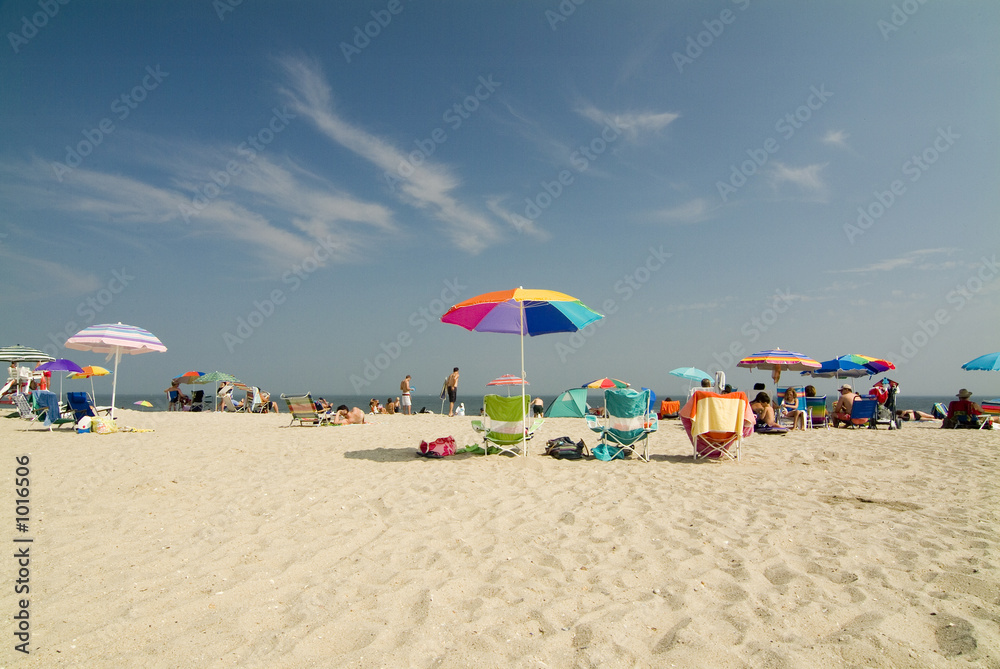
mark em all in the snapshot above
pixel 954 636
pixel 779 574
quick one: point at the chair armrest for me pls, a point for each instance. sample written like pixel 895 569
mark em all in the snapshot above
pixel 594 424
pixel 652 423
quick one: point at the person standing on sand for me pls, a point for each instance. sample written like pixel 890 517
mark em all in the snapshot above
pixel 405 396
pixel 451 385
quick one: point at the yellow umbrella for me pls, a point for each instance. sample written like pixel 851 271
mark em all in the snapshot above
pixel 89 372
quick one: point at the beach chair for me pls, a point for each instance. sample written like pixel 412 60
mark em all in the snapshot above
pixel 717 424
pixel 863 412
pixel 816 412
pixel 629 421
pixel 503 425
pixel 303 409
pixel 32 412
pixel 81 405
pixel 198 401
pixel 800 395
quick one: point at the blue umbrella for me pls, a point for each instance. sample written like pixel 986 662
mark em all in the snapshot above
pixel 984 363
pixel 838 368
pixel 690 373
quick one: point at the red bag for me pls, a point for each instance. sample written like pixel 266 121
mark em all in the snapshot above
pixel 438 448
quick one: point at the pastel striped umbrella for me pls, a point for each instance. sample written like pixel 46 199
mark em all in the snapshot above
pixel 520 311
pixel 116 340
pixel 777 360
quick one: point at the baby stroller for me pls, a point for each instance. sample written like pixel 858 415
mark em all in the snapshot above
pixel 885 392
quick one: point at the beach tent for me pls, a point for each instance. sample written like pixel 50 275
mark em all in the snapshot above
pixel 570 403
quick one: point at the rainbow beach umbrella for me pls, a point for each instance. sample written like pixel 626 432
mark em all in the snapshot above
pixel 116 340
pixel 520 311
pixel 606 383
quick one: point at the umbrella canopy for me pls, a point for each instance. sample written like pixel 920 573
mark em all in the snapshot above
pixel 216 377
pixel 984 363
pixel 143 403
pixel 188 377
pixel 524 312
pixel 116 340
pixel 60 365
pixel 838 369
pixel 18 353
pixel 777 360
pixel 606 383
pixel 507 380
pixel 89 372
pixel 690 373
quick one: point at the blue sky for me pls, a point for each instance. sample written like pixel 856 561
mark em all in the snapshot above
pixel 293 192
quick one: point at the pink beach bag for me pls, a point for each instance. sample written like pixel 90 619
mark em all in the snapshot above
pixel 438 448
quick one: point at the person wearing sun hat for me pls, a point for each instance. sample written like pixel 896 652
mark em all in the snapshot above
pixel 842 407
pixel 962 407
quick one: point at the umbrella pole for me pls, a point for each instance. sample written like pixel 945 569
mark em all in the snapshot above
pixel 524 410
pixel 114 381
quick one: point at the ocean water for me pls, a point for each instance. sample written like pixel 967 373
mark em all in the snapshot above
pixel 473 403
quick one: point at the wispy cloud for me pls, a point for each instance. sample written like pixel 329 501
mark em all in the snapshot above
pixel 520 223
pixel 632 124
pixel 836 138
pixel 427 187
pixel 917 260
pixel 690 212
pixel 807 178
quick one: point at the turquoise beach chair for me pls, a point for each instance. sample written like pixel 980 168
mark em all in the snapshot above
pixel 629 422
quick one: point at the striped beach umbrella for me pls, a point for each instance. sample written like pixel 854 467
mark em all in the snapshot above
pixel 605 383
pixel 18 353
pixel 778 360
pixel 116 340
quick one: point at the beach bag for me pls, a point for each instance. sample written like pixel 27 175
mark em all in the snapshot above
pixel 439 448
pixel 563 448
pixel 606 452
pixel 102 425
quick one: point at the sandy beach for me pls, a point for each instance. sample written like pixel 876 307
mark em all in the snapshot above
pixel 223 540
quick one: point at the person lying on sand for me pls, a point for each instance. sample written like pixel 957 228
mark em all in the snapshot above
pixel 762 409
pixel 345 416
pixel 911 414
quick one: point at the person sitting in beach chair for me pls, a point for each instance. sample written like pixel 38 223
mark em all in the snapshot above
pixel 669 409
pixel 964 413
pixel 842 407
pixel 792 408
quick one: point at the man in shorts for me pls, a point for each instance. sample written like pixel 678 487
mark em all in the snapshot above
pixel 405 398
pixel 451 385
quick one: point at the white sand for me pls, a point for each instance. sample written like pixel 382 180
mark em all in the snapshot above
pixel 231 540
